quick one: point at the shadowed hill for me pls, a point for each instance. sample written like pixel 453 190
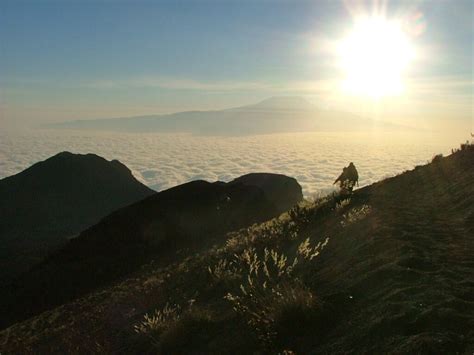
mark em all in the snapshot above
pixel 55 199
pixel 281 190
pixel 388 270
pixel 183 220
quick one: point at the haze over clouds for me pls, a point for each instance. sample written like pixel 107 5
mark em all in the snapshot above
pixel 162 161
pixel 118 59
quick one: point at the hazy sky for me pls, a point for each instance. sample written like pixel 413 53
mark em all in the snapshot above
pixel 62 60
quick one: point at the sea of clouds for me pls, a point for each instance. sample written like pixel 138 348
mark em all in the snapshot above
pixel 162 161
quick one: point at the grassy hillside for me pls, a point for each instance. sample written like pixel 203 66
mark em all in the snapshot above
pixel 389 269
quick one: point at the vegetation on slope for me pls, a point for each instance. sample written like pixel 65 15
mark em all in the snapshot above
pixel 387 270
pixel 188 218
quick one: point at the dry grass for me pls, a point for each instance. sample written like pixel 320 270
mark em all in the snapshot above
pixel 392 277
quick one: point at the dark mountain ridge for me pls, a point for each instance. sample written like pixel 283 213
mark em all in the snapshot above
pixel 282 191
pixel 393 274
pixel 163 227
pixel 51 201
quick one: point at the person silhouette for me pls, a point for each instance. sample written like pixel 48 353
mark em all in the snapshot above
pixel 348 178
pixel 341 177
pixel 352 176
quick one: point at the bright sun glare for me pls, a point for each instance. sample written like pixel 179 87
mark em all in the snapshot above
pixel 374 56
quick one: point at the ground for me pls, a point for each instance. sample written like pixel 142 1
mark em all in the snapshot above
pixel 394 273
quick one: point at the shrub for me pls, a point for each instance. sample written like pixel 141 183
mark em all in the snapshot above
pixel 355 214
pixel 301 213
pixel 308 252
pixel 271 312
pixel 154 324
pixel 465 146
pixel 285 228
pixel 190 332
pixel 271 297
pixel 170 330
pixel 437 158
pixel 342 204
pixel 224 270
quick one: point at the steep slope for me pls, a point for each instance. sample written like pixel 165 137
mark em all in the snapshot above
pixel 55 199
pixel 394 273
pixel 164 227
pixel 408 271
pixel 274 115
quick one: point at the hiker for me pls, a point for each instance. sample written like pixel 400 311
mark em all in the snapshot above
pixel 341 177
pixel 348 178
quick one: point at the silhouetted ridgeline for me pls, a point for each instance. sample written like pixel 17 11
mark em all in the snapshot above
pixel 184 219
pixel 284 192
pixel 53 200
pixel 388 270
pixel 273 115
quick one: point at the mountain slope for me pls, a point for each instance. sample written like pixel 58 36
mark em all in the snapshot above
pixel 274 115
pixel 55 199
pixel 163 227
pixel 394 274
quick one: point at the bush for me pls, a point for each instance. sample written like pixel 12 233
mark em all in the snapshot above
pixel 437 158
pixel 190 334
pixel 157 322
pixel 287 227
pixel 263 288
pixel 466 146
pixel 171 331
pixel 463 147
pixel 271 298
pixel 272 312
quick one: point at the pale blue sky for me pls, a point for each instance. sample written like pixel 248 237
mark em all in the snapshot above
pixel 62 60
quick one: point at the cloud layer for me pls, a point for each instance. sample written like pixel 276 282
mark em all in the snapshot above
pixel 162 161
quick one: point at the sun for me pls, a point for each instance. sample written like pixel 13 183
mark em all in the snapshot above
pixel 374 57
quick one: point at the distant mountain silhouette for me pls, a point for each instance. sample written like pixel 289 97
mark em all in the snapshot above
pixel 279 103
pixel 163 227
pixel 273 115
pixel 55 199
